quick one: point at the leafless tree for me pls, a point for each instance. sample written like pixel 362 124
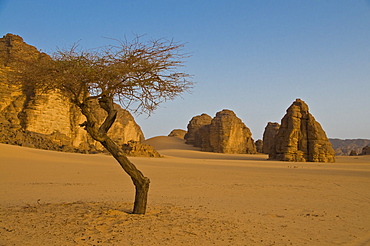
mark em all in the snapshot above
pixel 137 75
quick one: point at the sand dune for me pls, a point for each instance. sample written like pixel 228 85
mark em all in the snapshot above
pixel 196 198
pixel 175 147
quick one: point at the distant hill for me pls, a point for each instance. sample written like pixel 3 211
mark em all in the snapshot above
pixel 345 146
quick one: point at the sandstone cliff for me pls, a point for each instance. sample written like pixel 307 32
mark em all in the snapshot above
pixel 301 137
pixel 193 136
pixel 26 110
pixel 228 134
pixel 269 136
pixel 225 133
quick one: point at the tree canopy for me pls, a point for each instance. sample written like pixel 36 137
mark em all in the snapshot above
pixel 138 75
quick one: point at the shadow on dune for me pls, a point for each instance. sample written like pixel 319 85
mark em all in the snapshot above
pixel 176 147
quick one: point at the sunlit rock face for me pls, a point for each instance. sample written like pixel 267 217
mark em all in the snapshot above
pixel 225 133
pixel 178 133
pixel 228 134
pixel 27 109
pixel 301 138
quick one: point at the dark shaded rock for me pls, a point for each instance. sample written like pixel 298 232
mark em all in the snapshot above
pixel 301 138
pixel 353 153
pixel 192 136
pixel 269 136
pixel 205 136
pixel 366 150
pixel 259 146
pixel 21 137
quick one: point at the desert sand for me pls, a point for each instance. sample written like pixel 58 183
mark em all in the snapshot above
pixel 196 198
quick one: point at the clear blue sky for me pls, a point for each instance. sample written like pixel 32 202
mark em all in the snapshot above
pixel 254 57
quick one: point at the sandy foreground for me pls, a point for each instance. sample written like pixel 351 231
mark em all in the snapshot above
pixel 196 198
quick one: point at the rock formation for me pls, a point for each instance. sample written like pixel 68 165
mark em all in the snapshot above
pixel 259 146
pixel 134 148
pixel 353 153
pixel 193 136
pixel 124 128
pixel 225 133
pixel 28 111
pixel 178 133
pixel 25 138
pixel 269 136
pixel 228 134
pixel 204 138
pixel 366 150
pixel 301 137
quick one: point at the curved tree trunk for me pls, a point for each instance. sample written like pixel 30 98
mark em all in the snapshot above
pixel 99 133
pixel 140 181
pixel 141 196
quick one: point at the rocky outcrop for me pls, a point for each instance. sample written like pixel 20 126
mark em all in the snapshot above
pixel 225 133
pixel 26 110
pixel 135 148
pixel 353 153
pixel 25 138
pixel 259 146
pixel 228 134
pixel 301 138
pixel 205 138
pixel 13 50
pixel 178 133
pixel 192 136
pixel 269 136
pixel 366 150
pixel 346 146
